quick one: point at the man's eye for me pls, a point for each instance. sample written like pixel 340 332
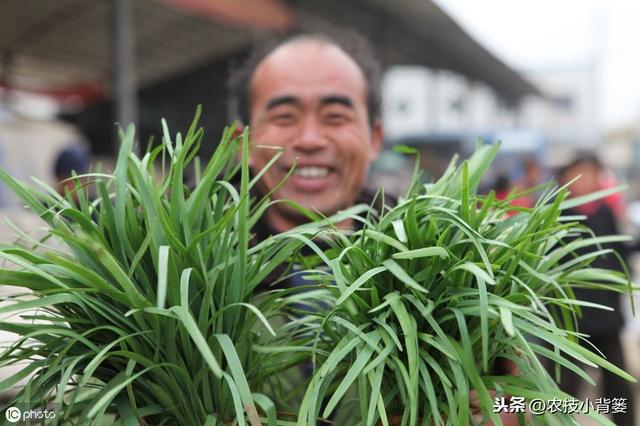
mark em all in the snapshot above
pixel 336 118
pixel 283 118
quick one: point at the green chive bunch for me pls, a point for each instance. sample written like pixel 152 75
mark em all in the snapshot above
pixel 430 297
pixel 154 310
pixel 146 315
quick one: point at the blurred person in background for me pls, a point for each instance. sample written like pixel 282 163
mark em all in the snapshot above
pixel 602 326
pixel 74 159
pixel 616 202
pixel 502 186
pixel 534 173
pixel 504 189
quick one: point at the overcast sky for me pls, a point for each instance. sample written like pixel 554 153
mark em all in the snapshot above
pixel 530 35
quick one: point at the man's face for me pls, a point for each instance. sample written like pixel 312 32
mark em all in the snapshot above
pixel 309 98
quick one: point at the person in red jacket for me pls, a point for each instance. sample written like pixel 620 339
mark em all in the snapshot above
pixel 602 326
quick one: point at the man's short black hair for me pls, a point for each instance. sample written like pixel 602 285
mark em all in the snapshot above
pixel 351 43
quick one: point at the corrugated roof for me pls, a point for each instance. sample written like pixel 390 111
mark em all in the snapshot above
pixel 55 44
pixel 419 32
pixel 456 49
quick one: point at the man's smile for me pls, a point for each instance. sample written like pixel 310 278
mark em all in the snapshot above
pixel 311 178
pixel 312 172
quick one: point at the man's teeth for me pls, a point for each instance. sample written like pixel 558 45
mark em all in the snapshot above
pixel 312 172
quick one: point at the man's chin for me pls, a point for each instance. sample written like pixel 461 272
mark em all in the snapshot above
pixel 286 215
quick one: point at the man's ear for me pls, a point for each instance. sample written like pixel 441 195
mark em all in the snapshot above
pixel 377 137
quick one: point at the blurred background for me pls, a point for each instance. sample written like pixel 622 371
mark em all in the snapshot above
pixel 547 78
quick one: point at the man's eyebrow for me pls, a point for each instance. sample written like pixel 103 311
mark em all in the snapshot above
pixel 337 99
pixel 282 100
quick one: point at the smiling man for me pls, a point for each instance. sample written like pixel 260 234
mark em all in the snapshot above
pixel 317 100
pixel 321 106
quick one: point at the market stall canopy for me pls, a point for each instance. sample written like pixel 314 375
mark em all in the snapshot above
pixel 137 61
pixel 64 47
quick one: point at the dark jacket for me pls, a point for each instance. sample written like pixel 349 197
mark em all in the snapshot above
pixel 263 230
pixel 598 321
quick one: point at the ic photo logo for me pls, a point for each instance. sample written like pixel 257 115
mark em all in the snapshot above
pixel 13 414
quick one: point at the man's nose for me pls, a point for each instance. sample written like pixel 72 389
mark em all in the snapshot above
pixel 311 137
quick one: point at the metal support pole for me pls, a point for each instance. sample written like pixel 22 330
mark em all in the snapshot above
pixel 125 64
pixel 6 76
